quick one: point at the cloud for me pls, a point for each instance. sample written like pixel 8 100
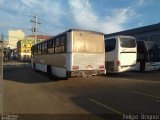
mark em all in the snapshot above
pixel 56 16
pixel 49 13
pixel 143 2
pixel 1 3
pixel 85 17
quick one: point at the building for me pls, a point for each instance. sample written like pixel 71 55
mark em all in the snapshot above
pixel 148 33
pixel 24 46
pixel 40 38
pixel 5 43
pixel 6 51
pixel 14 36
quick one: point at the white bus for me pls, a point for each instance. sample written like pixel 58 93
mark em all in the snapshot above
pixel 72 53
pixel 121 53
pixel 148 58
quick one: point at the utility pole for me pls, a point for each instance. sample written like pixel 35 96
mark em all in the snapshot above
pixel 1 76
pixel 35 28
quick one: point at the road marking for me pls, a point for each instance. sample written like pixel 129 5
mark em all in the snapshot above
pixel 145 94
pixel 105 106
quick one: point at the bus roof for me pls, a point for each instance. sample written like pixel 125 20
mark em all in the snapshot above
pixel 121 36
pixel 82 30
pixel 70 30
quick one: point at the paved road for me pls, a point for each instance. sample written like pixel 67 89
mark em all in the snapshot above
pixel 26 91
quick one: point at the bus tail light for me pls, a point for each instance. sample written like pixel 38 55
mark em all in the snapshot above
pixel 101 66
pixel 75 67
pixel 118 63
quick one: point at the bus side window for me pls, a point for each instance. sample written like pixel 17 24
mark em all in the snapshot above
pixel 50 46
pixel 44 48
pixel 40 48
pixel 62 44
pixel 57 45
pixel 110 45
pixel 36 49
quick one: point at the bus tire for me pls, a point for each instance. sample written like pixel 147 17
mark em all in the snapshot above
pixel 49 71
pixel 34 67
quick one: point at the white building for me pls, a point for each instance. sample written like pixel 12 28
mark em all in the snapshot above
pixel 14 36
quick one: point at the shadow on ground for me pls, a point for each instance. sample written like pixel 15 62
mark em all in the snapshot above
pixel 24 74
pixel 145 76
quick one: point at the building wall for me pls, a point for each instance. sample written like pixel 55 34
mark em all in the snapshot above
pixel 148 33
pixel 14 36
pixel 149 36
pixel 24 49
pixel 24 46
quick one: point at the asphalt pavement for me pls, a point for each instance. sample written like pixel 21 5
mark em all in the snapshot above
pixel 30 92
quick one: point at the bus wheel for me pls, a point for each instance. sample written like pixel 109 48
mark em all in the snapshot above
pixel 49 71
pixel 34 67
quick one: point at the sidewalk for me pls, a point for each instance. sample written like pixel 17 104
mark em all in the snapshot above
pixel 15 64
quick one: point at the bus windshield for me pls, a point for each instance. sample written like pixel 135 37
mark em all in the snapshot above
pixel 128 42
pixel 88 43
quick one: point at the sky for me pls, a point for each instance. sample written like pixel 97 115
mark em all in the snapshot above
pixel 56 16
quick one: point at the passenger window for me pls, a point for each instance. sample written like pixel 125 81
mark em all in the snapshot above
pixel 62 40
pixel 60 44
pixel 110 45
pixel 39 48
pixel 57 41
pixel 51 46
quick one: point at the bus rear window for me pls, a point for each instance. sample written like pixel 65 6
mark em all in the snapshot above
pixel 127 42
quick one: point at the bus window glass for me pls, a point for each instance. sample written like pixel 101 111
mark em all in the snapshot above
pixel 39 49
pixel 50 46
pixel 110 45
pixel 62 40
pixel 127 42
pixel 57 41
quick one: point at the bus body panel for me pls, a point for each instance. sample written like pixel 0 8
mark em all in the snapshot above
pixel 69 51
pixel 58 71
pixel 129 60
pixel 41 67
pixel 88 61
pixel 88 53
pixel 58 60
pixel 148 66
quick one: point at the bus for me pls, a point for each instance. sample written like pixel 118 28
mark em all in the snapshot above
pixel 148 56
pixel 75 52
pixel 120 53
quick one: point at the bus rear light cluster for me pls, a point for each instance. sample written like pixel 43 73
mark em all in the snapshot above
pixel 118 63
pixel 101 66
pixel 75 67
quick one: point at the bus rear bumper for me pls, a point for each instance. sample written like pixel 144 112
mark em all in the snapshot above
pixel 83 73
